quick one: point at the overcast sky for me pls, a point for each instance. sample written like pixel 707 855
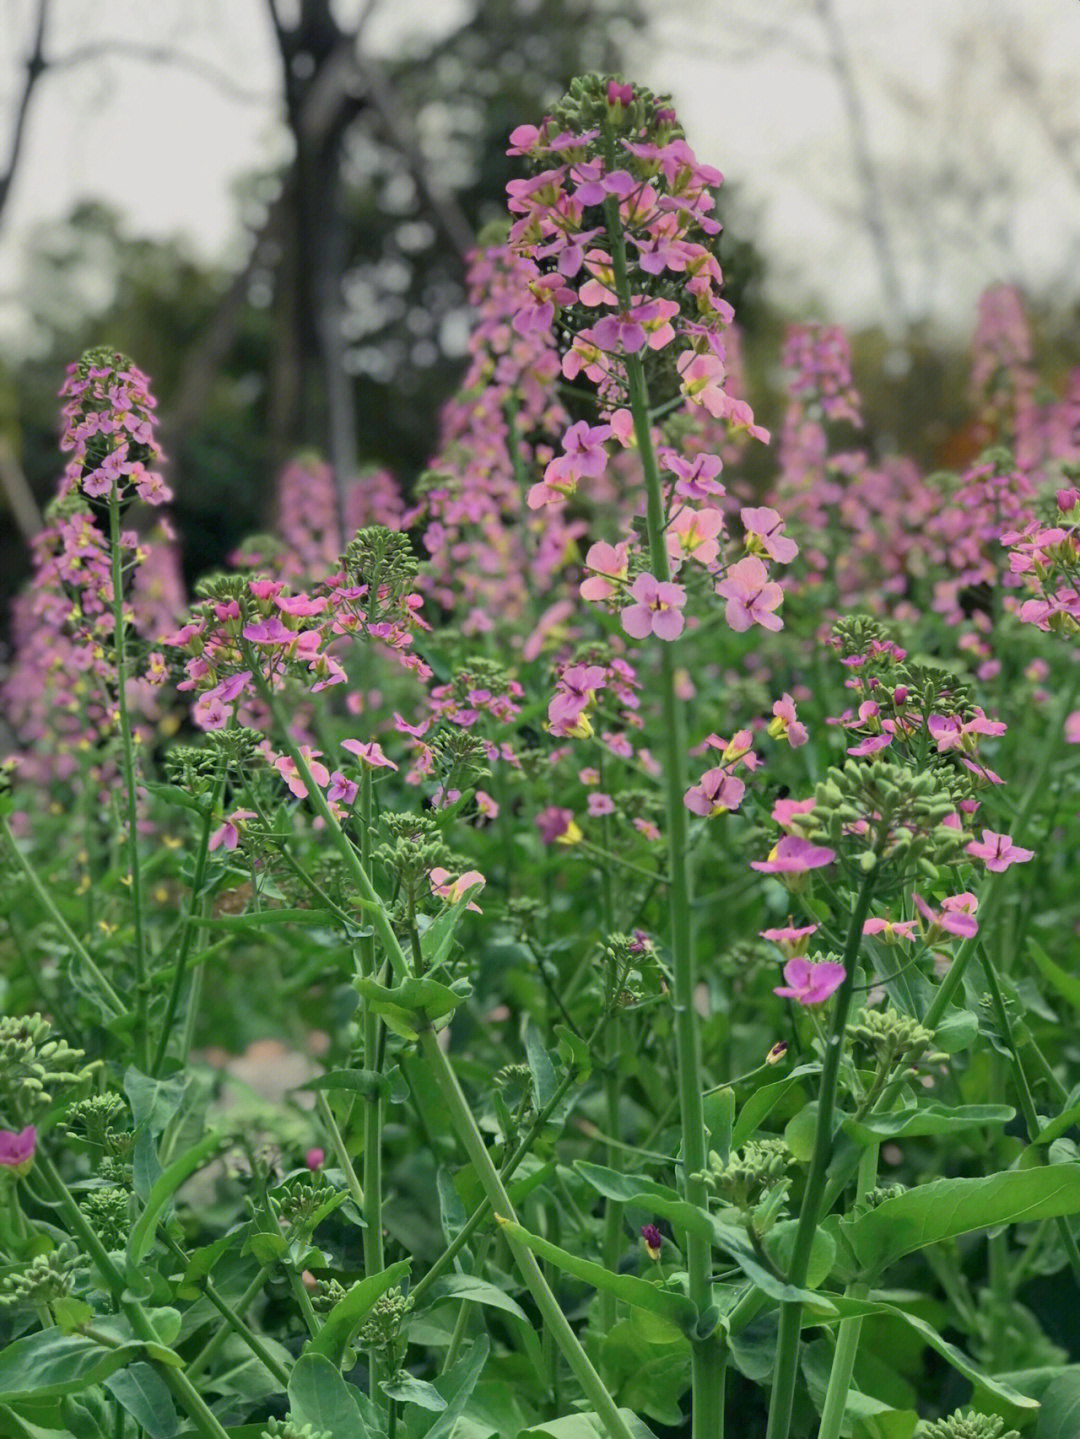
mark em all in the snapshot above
pixel 970 135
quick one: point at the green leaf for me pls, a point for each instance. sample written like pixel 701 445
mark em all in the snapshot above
pixel 349 1313
pixel 622 1187
pixel 957 1031
pixel 857 1308
pixel 1055 1128
pixel 174 795
pixel 541 1068
pixel 946 1208
pixel 1060 1417
pixel 369 1082
pixel 586 1426
pixel 142 1235
pixel 574 1051
pixel 145 1395
pixel 928 1119
pixel 412 1006
pixel 476 1290
pixel 436 940
pixel 800 1132
pixel 764 1100
pixel 628 1287
pixel 50 1363
pixel 71 1314
pixel 320 1397
pixel 457 1386
pixel 261 917
pixel 406 1389
pixel 154 1103
pixel 720 1120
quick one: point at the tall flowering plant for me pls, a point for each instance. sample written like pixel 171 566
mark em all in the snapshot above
pixel 655 995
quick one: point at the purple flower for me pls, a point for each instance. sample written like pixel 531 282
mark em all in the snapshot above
pixel 654 1240
pixel 17 1150
pixel 751 596
pixel 810 983
pixel 793 855
pixel 998 851
pixel 658 609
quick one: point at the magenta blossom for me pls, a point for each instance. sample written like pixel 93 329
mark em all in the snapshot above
pixel 751 596
pixel 715 793
pixel 315 1158
pixel 658 609
pixel 454 890
pixel 557 826
pixel 653 1239
pixel 810 982
pixel 369 754
pixel 785 724
pixel 998 851
pixel 956 916
pixel 229 833
pixel 17 1150
pixel 891 931
pixel 792 939
pixel 793 855
pixel 765 531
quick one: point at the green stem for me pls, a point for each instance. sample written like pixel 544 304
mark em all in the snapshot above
pixel 847 1339
pixel 45 899
pixel 78 1225
pixel 191 931
pixel 337 1143
pixel 461 1115
pixel 374 1259
pixel 213 1345
pixel 787 1350
pixel 127 753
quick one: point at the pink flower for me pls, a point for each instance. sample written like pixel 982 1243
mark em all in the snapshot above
pixel 792 939
pixel 694 534
pixel 315 1158
pixel 715 793
pixel 764 531
pixel 1072 728
pixel 786 811
pixel 371 754
pixel 751 596
pixel 229 833
pixel 17 1150
pixel 658 609
pixel 957 916
pixel 455 890
pixel 998 851
pixel 607 563
pixel 557 826
pixel 810 983
pixel 286 767
pixel 786 725
pixel 793 855
pixel 600 804
pixel 890 930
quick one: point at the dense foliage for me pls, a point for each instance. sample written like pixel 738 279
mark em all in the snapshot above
pixel 666 887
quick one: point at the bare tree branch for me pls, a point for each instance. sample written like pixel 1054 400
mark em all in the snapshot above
pixel 35 67
pixel 18 493
pixel 125 49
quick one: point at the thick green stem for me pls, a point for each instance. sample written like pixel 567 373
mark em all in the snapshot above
pixel 337 1143
pixel 374 1261
pixel 127 754
pixel 462 1117
pixel 214 1344
pixel 847 1339
pixel 45 899
pixel 787 1349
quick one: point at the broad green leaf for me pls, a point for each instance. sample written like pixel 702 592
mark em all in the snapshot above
pixel 800 1132
pixel 1060 1417
pixel 145 1395
pixel 764 1100
pixel 174 795
pixel 541 1068
pixel 154 1103
pixel 956 1031
pixel 946 1208
pixel 159 1198
pixel 412 1006
pixel 719 1120
pixel 320 1397
pixel 349 1313
pixel 622 1187
pixel 50 1363
pixel 457 1386
pixel 436 940
pixel 928 1119
pixel 628 1287
pixel 858 1308
pixel 407 1389
pixel 473 1288
pixel 586 1426
pixel 574 1051
pixel 1055 1128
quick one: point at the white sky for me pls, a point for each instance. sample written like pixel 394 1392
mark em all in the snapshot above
pixel 980 177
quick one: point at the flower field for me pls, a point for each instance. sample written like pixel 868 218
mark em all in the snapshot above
pixel 666 879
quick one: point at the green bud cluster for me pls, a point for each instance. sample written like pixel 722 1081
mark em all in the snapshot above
pixel 221 588
pixel 750 1172
pixel 328 1292
pixel 877 1196
pixel 299 1202
pixel 413 849
pixel 586 106
pixel 969 1426
pixel 192 768
pixel 34 1067
pixel 290 1428
pixel 381 1328
pixel 95 1117
pixel 856 634
pixel 44 1280
pixel 891 1036
pixel 890 813
pixel 383 560
pixel 513 1074
pixel 108 1212
pixel 458 753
